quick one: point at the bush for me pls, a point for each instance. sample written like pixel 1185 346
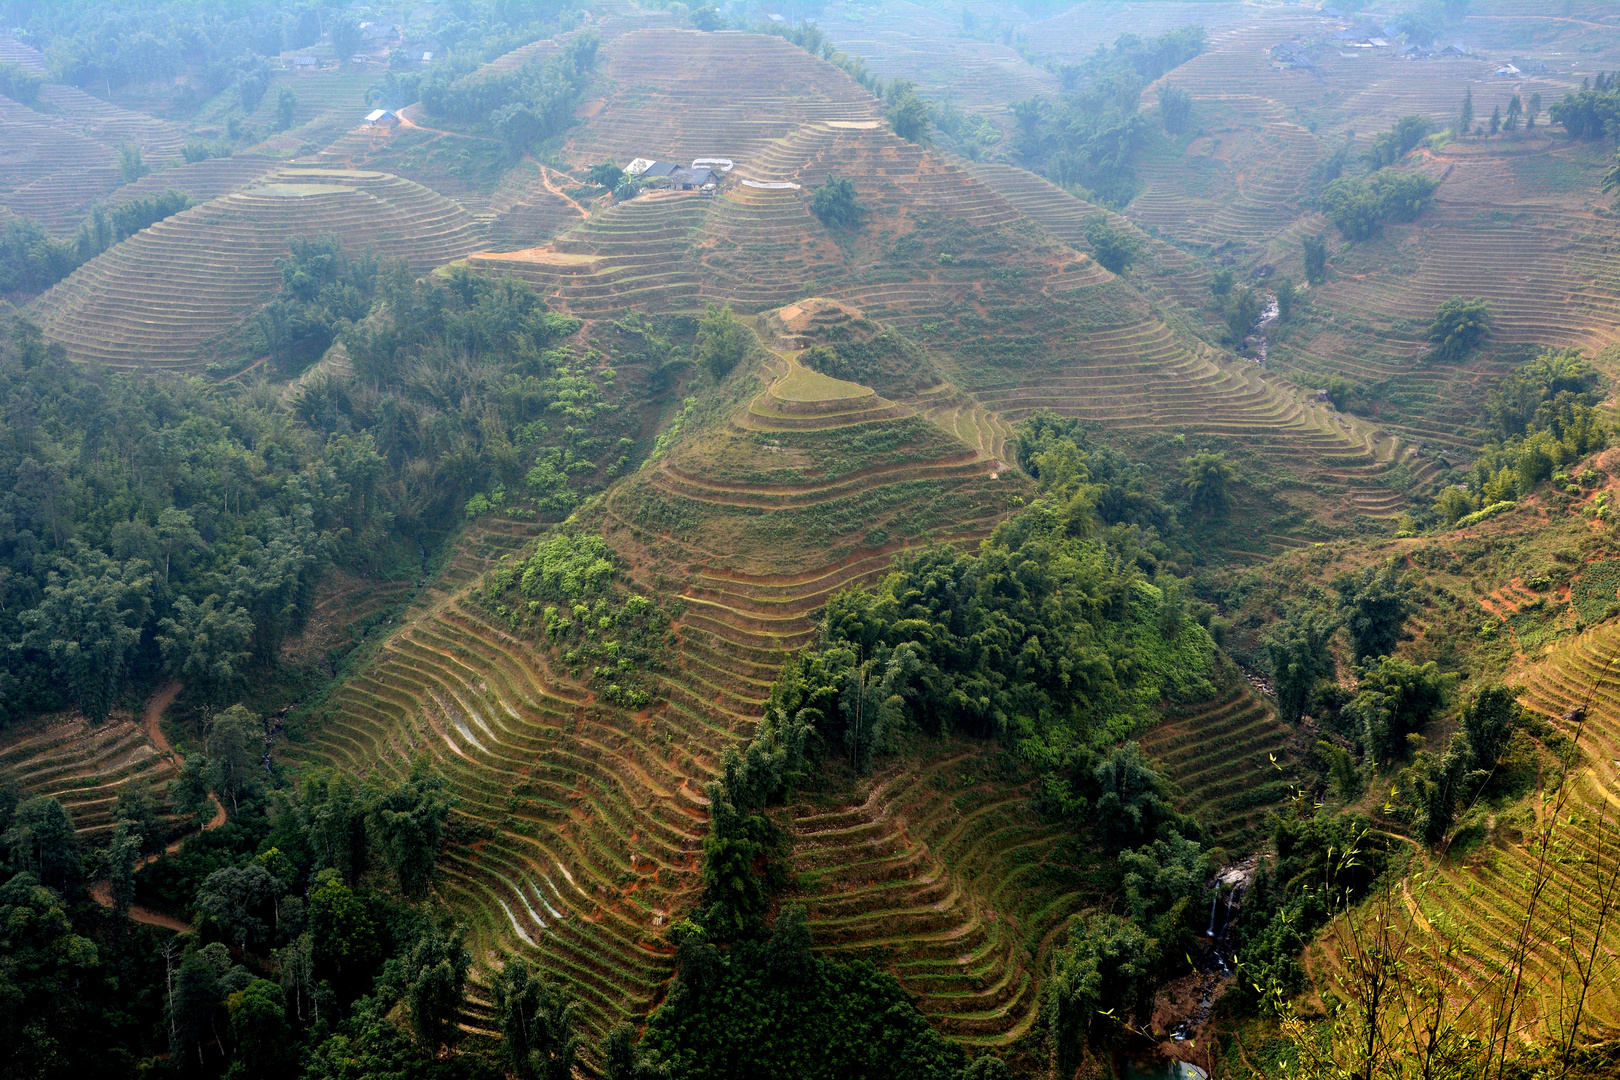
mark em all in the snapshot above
pixel 722 341
pixel 1114 248
pixel 834 203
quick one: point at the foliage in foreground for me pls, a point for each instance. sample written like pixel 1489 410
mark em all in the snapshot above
pixel 824 1019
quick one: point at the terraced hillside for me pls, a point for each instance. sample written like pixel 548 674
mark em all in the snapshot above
pixel 1232 761
pixel 728 96
pixel 49 170
pixel 202 180
pixel 84 766
pixel 945 877
pixel 587 819
pixel 1535 216
pixel 216 262
pixel 1481 897
pixel 1020 323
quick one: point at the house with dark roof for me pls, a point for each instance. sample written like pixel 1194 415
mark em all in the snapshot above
pixel 691 179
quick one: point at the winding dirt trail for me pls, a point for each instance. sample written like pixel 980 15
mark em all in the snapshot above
pixel 150 723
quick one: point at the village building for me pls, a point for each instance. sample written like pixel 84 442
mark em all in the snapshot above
pixel 382 118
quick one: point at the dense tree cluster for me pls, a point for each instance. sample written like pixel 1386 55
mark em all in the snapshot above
pixel 1542 418
pixel 1591 113
pixel 31 260
pixel 1089 137
pixel 1050 638
pixel 825 1019
pixel 834 202
pixel 304 936
pixel 1360 206
pixel 1460 326
pixel 1391 146
pixel 147 523
pixel 524 105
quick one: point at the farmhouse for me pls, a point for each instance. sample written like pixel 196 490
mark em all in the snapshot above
pixel 304 63
pixel 691 179
pixel 382 118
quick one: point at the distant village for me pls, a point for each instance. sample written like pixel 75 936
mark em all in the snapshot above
pixel 1365 37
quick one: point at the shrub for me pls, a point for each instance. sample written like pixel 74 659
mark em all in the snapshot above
pixel 834 203
pixel 1114 248
pixel 722 341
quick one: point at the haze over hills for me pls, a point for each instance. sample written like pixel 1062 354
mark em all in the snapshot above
pixel 899 539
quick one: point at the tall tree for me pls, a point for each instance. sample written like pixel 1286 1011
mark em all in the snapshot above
pixel 436 970
pixel 1465 120
pixel 538 1022
pixel 1204 479
pixel 1315 260
pixel 722 341
pixel 1298 650
pixel 123 856
pixel 206 645
pixel 235 749
pixel 43 843
pixel 1375 605
pixel 407 823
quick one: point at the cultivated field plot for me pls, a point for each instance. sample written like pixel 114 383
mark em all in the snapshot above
pixel 727 96
pixel 156 299
pixel 84 766
pixel 1482 896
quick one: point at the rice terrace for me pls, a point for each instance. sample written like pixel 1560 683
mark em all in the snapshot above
pixel 955 540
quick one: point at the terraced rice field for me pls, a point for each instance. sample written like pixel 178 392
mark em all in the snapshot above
pixel 942 877
pixel 1552 283
pixel 84 766
pixel 217 262
pixel 1484 894
pixel 50 170
pixel 728 95
pixel 202 180
pixel 587 819
pixel 1232 762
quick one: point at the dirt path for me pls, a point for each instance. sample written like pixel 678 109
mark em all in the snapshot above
pixel 546 182
pixel 102 891
pixel 150 723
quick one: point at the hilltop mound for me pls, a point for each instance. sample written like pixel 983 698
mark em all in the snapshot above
pixel 684 94
pixel 157 299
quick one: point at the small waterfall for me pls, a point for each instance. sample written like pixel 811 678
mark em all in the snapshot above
pixel 1212 902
